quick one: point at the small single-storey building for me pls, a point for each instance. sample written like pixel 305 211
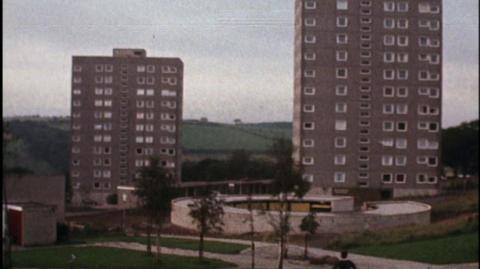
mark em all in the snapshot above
pixel 35 204
pixel 32 224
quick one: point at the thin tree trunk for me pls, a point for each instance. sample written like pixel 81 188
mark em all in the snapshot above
pixel 252 234
pixel 253 253
pixel 200 248
pixel 280 254
pixel 305 254
pixel 149 240
pixel 159 253
pixel 281 232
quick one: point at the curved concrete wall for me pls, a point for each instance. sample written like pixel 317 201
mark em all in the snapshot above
pixel 387 214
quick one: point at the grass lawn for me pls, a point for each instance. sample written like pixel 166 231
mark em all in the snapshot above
pixel 209 246
pixel 112 258
pixel 205 137
pixel 446 250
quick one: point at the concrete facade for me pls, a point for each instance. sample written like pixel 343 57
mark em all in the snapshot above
pixel 125 109
pixel 380 215
pixel 45 190
pixel 367 93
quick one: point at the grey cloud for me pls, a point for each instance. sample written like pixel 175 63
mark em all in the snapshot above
pixel 238 54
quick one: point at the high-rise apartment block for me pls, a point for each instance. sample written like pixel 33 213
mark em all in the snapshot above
pixel 125 109
pixel 367 90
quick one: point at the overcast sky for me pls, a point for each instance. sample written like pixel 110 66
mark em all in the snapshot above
pixel 238 54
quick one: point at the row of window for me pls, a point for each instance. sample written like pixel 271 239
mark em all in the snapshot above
pixel 388 57
pixel 387 126
pixel 400 109
pixel 140 68
pixel 151 92
pixel 146 162
pixel 388 40
pixel 97 150
pixel 138 127
pixel 151 115
pixel 388 74
pixel 340 177
pixel 388 91
pixel 388 6
pixel 149 80
pixel 140 92
pixel 388 23
pixel 386 160
pixel 150 127
pixel 139 103
pixel 150 140
pixel 151 69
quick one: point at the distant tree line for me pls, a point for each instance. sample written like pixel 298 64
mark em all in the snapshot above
pixel 240 165
pixel 460 147
pixel 44 149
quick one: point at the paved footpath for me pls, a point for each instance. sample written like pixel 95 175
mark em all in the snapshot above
pixel 267 253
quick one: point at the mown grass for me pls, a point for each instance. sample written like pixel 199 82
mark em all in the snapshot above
pixel 112 258
pixel 460 225
pixel 168 242
pixel 451 215
pixel 454 205
pixel 447 250
pixel 455 218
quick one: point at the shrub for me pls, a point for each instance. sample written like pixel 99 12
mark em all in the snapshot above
pixel 63 232
pixel 112 199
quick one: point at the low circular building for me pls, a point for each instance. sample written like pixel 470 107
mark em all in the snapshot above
pixel 335 214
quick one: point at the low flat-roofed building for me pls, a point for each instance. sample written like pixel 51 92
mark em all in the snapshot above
pixel 32 224
pixel 45 190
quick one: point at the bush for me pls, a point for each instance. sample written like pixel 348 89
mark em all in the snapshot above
pixel 112 199
pixel 63 232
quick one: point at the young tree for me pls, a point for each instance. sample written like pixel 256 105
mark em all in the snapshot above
pixel 250 220
pixel 155 189
pixel 309 225
pixel 68 188
pixel 207 213
pixel 287 181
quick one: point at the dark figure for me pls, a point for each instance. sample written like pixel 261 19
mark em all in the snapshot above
pixel 344 263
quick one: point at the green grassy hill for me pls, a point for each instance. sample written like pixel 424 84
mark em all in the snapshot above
pixel 43 144
pixel 224 138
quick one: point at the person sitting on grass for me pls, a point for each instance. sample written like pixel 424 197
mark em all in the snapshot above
pixel 344 263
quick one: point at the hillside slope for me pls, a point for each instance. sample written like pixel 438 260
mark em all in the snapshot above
pixel 44 144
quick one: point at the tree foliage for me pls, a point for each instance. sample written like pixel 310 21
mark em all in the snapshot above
pixel 287 180
pixel 240 165
pixel 309 225
pixel 45 149
pixel 460 147
pixel 207 213
pixel 287 176
pixel 155 190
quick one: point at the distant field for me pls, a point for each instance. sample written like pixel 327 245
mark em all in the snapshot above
pixel 218 138
pixel 43 144
pixel 447 250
